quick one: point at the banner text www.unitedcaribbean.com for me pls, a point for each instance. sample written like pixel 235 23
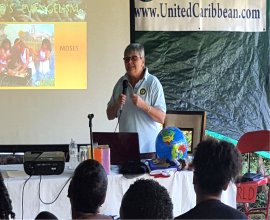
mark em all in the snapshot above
pixel 213 10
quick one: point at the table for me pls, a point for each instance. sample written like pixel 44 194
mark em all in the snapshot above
pixel 179 186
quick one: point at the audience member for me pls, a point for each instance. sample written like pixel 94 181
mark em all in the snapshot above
pixel 5 201
pixel 216 163
pixel 146 199
pixel 45 215
pixel 87 190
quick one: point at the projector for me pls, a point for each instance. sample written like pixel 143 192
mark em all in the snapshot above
pixel 44 163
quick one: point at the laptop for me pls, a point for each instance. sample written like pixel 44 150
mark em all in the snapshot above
pixel 124 146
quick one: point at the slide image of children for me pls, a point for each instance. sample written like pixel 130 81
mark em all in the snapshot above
pixel 44 59
pixel 30 61
pixel 5 55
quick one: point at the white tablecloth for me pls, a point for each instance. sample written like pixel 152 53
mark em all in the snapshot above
pixel 179 186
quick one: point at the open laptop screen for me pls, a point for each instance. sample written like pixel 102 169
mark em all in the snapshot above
pixel 124 146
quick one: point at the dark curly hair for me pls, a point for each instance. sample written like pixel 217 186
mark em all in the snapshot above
pixel 88 187
pixel 5 201
pixel 146 199
pixel 215 164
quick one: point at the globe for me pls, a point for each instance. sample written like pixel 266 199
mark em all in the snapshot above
pixel 171 144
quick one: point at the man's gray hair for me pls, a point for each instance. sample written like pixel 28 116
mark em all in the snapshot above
pixel 135 47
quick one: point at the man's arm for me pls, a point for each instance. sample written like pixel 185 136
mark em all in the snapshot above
pixel 155 113
pixel 113 109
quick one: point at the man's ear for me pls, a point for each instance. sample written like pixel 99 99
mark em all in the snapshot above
pixel 225 186
pixel 143 64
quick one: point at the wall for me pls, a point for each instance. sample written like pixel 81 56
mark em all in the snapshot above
pixel 55 116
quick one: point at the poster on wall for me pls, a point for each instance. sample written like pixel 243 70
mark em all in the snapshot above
pixel 195 15
pixel 43 44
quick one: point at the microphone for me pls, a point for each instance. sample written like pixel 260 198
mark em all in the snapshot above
pixel 90 117
pixel 124 91
pixel 125 85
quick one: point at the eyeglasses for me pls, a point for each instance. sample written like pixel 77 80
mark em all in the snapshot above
pixel 133 59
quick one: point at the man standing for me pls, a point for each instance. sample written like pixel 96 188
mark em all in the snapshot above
pixel 138 100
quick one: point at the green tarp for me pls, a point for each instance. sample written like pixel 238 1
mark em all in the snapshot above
pixel 226 74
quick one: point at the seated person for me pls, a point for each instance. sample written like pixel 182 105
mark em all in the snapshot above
pixel 215 163
pixel 146 199
pixel 87 190
pixel 45 215
pixel 5 201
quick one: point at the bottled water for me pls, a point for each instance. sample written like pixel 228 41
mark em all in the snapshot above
pixel 73 154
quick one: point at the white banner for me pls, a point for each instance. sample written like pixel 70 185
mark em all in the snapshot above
pixel 200 15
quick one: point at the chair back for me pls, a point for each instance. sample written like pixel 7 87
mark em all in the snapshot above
pixel 247 191
pixel 254 141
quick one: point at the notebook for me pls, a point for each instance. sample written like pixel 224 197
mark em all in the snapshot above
pixel 124 146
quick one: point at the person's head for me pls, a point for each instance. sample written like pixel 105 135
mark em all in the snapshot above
pixel 146 199
pixel 16 42
pixel 46 44
pixel 6 44
pixel 215 163
pixel 88 186
pixel 5 202
pixel 19 44
pixel 45 215
pixel 134 59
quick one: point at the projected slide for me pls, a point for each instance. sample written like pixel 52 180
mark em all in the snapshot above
pixel 43 45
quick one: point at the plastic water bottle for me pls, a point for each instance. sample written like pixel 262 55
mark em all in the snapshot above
pixel 73 154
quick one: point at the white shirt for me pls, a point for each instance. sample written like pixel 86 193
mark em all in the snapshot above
pixel 134 119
